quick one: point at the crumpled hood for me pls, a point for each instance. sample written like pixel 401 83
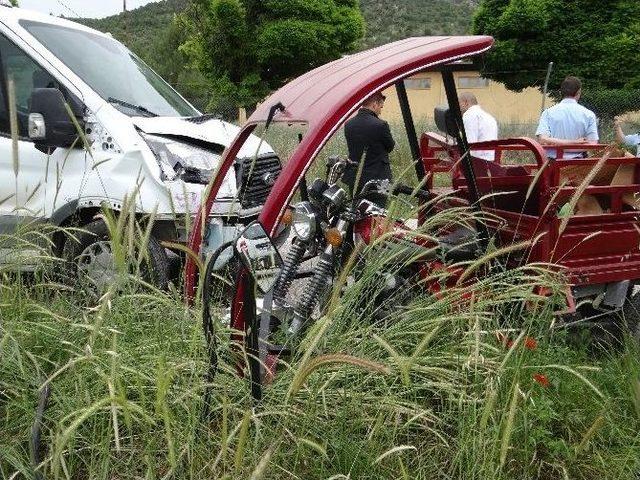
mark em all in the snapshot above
pixel 212 131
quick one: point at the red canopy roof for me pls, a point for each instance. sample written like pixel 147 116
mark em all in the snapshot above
pixel 324 98
pixel 346 82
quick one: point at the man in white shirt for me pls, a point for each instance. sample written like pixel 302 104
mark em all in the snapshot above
pixel 479 125
pixel 632 140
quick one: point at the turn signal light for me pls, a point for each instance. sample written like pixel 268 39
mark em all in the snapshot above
pixel 333 237
pixel 287 217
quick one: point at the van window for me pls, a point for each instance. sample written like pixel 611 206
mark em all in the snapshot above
pixel 26 75
pixel 4 113
pixel 111 70
pixel 473 82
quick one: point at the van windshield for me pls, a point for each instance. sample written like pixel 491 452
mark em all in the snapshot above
pixel 111 70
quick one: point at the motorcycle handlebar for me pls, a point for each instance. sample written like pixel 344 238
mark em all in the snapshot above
pixel 382 187
pixel 332 160
pixel 407 190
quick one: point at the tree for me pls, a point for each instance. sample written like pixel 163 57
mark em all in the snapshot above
pixel 247 48
pixel 172 64
pixel 592 39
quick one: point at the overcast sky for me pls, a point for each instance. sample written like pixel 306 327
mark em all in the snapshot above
pixel 82 8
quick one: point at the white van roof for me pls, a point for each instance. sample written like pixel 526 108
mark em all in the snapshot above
pixel 11 16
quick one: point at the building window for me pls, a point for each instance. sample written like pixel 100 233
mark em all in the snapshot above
pixel 417 83
pixel 473 82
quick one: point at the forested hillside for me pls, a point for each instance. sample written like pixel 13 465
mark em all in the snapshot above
pixel 392 20
pixel 386 21
pixel 140 29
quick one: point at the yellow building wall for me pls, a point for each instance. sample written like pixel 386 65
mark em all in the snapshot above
pixel 506 106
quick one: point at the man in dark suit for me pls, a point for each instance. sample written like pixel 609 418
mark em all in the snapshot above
pixel 370 137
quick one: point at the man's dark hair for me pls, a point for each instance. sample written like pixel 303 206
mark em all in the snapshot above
pixel 376 97
pixel 570 87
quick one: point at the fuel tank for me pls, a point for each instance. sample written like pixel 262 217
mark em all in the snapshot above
pixel 369 228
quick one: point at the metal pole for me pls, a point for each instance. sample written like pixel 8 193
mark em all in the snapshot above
pixel 410 127
pixel 465 153
pixel 304 191
pixel 252 331
pixel 546 86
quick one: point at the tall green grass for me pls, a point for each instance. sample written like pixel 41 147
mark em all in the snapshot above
pixel 445 388
pixel 470 383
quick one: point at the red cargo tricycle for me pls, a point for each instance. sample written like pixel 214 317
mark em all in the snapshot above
pixel 599 253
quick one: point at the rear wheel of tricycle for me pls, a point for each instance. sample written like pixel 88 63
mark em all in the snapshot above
pixel 610 332
pixel 630 315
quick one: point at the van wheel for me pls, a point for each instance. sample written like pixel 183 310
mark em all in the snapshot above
pixel 89 260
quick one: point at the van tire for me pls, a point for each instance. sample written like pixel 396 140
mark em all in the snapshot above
pixel 155 269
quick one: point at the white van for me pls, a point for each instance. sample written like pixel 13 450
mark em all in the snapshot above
pixel 144 141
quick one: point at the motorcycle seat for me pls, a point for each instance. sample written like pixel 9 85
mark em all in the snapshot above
pixel 460 245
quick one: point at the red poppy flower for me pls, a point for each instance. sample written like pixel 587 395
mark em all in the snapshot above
pixel 545 291
pixel 541 379
pixel 530 343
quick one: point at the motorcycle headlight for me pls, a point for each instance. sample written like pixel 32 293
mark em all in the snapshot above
pixel 304 221
pixel 191 163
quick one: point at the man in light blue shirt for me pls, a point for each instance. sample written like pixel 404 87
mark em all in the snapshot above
pixel 567 122
pixel 632 140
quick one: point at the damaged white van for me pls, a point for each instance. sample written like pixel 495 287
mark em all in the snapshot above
pixel 143 140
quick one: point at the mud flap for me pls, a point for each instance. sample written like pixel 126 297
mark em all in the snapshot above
pixel 616 294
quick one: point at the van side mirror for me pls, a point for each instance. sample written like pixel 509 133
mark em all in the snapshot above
pixel 50 125
pixel 444 121
pixel 259 255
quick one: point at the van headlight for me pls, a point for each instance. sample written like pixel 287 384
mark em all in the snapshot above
pixel 305 221
pixel 190 163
